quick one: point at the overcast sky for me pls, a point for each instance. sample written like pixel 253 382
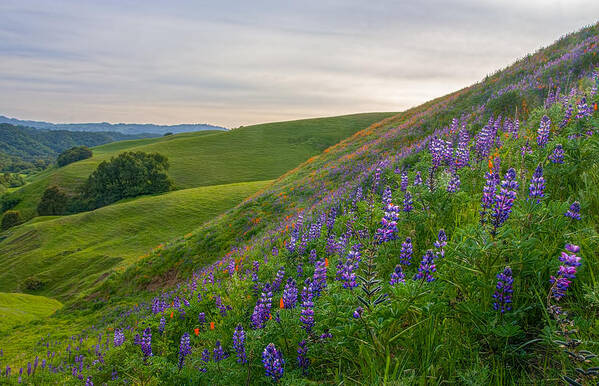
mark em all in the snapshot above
pixel 235 63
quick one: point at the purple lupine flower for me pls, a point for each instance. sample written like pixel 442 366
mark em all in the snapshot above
pixel 218 354
pixel 319 279
pixel 119 337
pixel 557 156
pixel 504 200
pixel 583 109
pixel 290 294
pixel 567 271
pixel 302 359
pixel 206 356
pixel 407 203
pixel 526 149
pixel 567 117
pixel 488 195
pixel 312 258
pixel 436 148
pixel 405 256
pixel 404 182
pixel 543 131
pixel 462 150
pixel 347 270
pixel 28 368
pixel 88 381
pixel 503 291
pixel 307 313
pixel 537 184
pixel 300 270
pixel 427 267
pixel 574 211
pixel 161 325
pixel 397 276
pixel 331 219
pixel 418 179
pixel 276 284
pixel 454 183
pixel 262 308
pixel 358 313
pixel 184 349
pixel 484 140
pixel 146 343
pixel 440 243
pixel 239 344
pixel 388 229
pixel 387 196
pixel 273 362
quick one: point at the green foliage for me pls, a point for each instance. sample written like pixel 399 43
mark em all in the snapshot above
pixel 54 201
pixel 130 174
pixel 73 154
pixel 10 219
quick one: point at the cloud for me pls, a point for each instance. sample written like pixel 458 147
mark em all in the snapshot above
pixel 239 62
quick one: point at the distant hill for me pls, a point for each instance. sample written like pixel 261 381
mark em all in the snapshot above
pixel 124 128
pixel 21 146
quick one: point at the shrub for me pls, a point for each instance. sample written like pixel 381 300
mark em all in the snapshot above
pixel 73 154
pixel 11 218
pixel 32 283
pixel 54 201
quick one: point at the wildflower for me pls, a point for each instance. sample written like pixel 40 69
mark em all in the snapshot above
pixel 583 109
pixel 574 211
pixel 119 337
pixel 454 183
pixel 202 319
pixel 488 195
pixel 537 184
pixel 273 362
pixel 262 308
pixel 289 294
pixel 397 276
pixel 184 349
pixel 557 156
pixel 302 360
pixel 427 267
pixel 418 179
pixel 440 243
pixel 239 344
pixel 567 116
pixel 388 224
pixel 543 131
pixel 218 354
pixel 405 256
pixel 206 355
pixel 462 150
pixel 504 200
pixel 404 181
pixel 276 284
pixel 562 280
pixel 358 313
pixel 146 342
pixel 503 291
pixel 319 278
pixel 407 203
pixel 307 313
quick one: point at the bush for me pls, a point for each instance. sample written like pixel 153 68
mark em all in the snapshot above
pixel 11 218
pixel 130 174
pixel 54 201
pixel 32 283
pixel 73 154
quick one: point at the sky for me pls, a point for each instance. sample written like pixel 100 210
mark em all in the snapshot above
pixel 233 63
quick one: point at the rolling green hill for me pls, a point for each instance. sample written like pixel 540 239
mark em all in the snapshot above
pixel 65 255
pixel 16 308
pixel 252 153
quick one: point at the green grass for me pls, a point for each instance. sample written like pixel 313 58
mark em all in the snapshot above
pixel 252 153
pixel 17 308
pixel 70 253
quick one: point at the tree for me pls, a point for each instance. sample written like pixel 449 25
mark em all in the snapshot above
pixel 11 218
pixel 54 201
pixel 130 174
pixel 73 154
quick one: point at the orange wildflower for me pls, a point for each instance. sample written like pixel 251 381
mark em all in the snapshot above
pixel 172 314
pixel 196 331
pixel 281 304
pixel 212 325
pixel 326 262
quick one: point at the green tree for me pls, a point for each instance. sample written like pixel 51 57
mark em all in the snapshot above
pixel 73 154
pixel 54 201
pixel 11 218
pixel 130 174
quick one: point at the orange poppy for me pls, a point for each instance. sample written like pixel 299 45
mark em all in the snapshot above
pixel 212 325
pixel 281 304
pixel 172 314
pixel 196 331
pixel 326 262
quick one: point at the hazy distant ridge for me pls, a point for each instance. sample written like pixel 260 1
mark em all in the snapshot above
pixel 125 128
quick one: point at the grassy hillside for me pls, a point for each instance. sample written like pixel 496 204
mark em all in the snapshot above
pixel 18 308
pixel 67 254
pixel 252 153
